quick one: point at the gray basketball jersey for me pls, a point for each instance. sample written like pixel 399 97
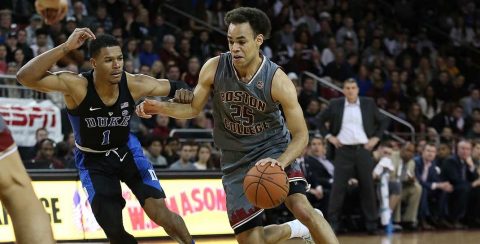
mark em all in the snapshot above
pixel 247 120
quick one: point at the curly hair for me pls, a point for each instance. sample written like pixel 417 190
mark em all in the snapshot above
pixel 100 42
pixel 257 19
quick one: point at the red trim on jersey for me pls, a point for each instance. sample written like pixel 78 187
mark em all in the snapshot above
pixel 6 139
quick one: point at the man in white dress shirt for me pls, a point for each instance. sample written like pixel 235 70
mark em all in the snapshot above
pixel 355 126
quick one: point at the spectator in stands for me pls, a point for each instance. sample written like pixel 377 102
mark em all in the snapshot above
pixel 153 151
pixel 459 121
pixel 308 93
pixel 417 119
pixel 443 86
pixel 204 157
pixel 64 155
pixel 183 163
pixel 184 52
pixel 347 31
pixel 170 151
pixel 161 128
pixel 22 43
pixel 444 118
pixel 102 19
pixel 429 103
pixel 158 70
pixel 41 41
pixel 460 171
pixel 168 52
pixel 318 171
pixel 406 209
pixel 131 52
pixel 45 157
pixel 460 34
pixel 474 132
pixel 204 49
pixel 471 102
pixel 3 59
pixel 158 29
pixel 81 15
pixel 193 70
pixel 444 152
pixel 363 80
pixel 173 72
pixel 147 55
pixel 339 70
pixel 12 45
pixel 434 190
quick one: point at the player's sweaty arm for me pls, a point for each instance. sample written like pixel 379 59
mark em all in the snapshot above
pixel 143 85
pixel 283 91
pixel 35 73
pixel 201 94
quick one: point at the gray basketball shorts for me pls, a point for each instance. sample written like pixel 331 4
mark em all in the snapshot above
pixel 240 210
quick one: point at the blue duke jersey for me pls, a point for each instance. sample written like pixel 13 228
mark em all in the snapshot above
pixel 97 126
pixel 247 120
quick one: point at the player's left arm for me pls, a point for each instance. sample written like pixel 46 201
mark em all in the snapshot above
pixel 146 86
pixel 283 91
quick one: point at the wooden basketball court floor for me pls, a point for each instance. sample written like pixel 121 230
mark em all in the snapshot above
pixel 436 237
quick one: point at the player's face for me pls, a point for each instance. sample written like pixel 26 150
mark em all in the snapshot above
pixel 109 64
pixel 243 44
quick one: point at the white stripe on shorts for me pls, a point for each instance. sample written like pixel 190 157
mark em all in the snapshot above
pixel 247 219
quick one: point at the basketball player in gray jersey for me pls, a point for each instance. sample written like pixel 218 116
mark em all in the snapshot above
pixel 249 129
pixel 30 221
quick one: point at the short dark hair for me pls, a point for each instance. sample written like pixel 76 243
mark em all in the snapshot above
pixel 315 137
pixel 257 19
pixel 104 40
pixel 151 139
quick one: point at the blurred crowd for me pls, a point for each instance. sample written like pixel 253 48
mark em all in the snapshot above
pixel 419 60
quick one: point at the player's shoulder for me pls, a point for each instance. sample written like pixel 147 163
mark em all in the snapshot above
pixel 209 69
pixel 212 63
pixel 71 78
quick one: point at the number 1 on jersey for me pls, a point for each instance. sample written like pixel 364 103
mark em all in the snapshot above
pixel 106 137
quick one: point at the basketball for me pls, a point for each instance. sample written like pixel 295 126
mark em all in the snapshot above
pixel 266 186
pixel 52 11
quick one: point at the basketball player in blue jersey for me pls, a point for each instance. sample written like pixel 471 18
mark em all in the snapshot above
pixel 30 221
pixel 100 103
pixel 249 128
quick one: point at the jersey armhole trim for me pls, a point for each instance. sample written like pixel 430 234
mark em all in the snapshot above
pixel 12 149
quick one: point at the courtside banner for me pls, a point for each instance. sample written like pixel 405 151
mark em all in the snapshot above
pixel 25 116
pixel 200 202
pixel 57 198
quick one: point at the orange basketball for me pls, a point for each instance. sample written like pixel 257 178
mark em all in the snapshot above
pixel 266 186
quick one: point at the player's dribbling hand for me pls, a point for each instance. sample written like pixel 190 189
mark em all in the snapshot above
pixel 270 161
pixel 146 108
pixel 52 11
pixel 78 37
pixel 183 96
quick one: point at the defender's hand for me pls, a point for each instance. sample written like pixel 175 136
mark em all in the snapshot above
pixel 183 96
pixel 78 37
